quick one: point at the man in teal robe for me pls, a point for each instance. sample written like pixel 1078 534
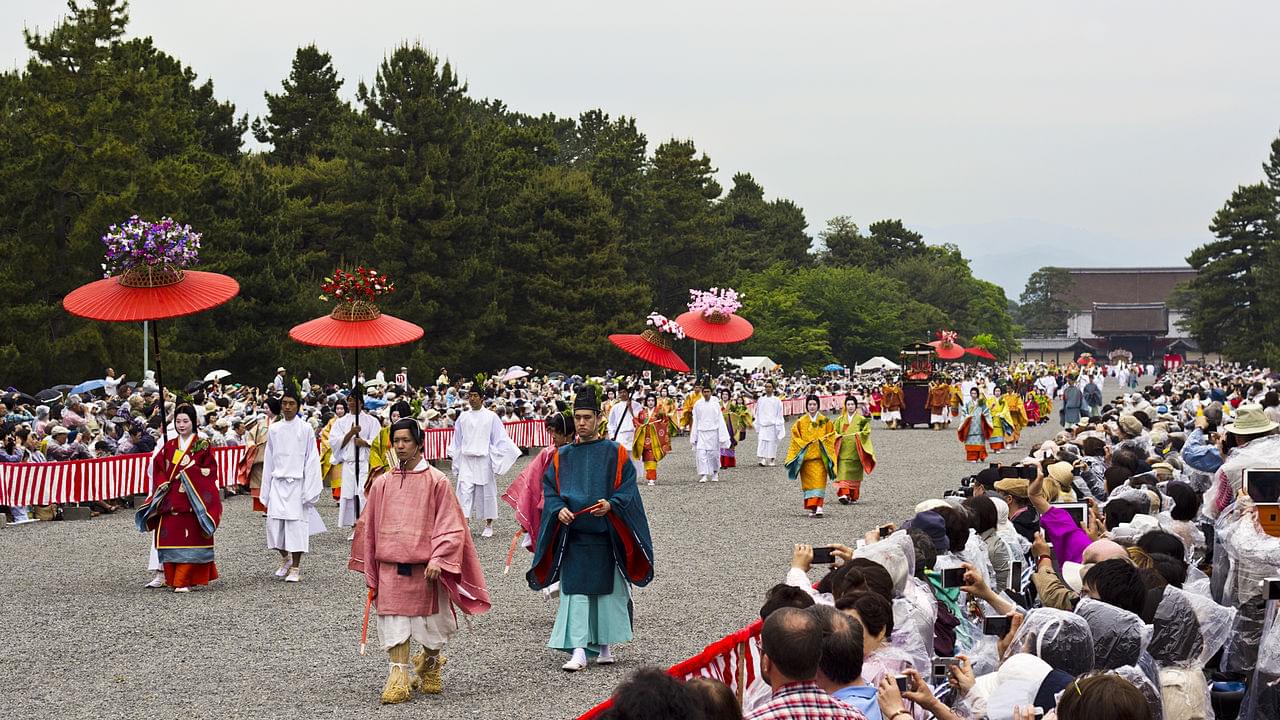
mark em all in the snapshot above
pixel 594 540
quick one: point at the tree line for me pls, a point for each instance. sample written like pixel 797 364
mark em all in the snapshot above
pixel 513 238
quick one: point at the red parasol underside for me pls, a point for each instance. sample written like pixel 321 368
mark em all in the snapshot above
pixel 947 352
pixel 697 327
pixel 980 352
pixel 110 301
pixel 648 352
pixel 382 331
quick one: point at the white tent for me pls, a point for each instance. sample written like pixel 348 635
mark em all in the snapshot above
pixel 879 362
pixel 752 363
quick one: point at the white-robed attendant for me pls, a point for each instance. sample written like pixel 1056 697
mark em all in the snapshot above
pixel 771 425
pixel 708 435
pixel 621 426
pixel 291 485
pixel 480 451
pixel 351 448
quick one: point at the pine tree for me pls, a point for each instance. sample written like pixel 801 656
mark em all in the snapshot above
pixel 759 234
pixel 308 118
pixel 680 226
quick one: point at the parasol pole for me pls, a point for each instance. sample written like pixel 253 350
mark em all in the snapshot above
pixel 355 380
pixel 164 421
pixel 695 361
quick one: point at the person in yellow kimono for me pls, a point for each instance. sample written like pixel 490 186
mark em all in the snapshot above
pixel 331 472
pixel 957 399
pixel 667 406
pixel 812 455
pixel 855 458
pixel 891 403
pixel 652 439
pixel 1046 406
pixel 686 412
pixel 1001 421
pixel 1018 414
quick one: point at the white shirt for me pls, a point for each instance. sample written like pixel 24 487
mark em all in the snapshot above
pixel 709 430
pixel 479 433
pixel 769 411
pixel 290 470
pixel 112 386
pixel 369 428
pixel 621 426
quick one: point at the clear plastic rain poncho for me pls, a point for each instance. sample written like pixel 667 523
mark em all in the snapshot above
pixel 1260 453
pixel 1119 636
pixel 1250 556
pixel 914 611
pixel 1263 700
pixel 1188 630
pixel 1141 680
pixel 1058 637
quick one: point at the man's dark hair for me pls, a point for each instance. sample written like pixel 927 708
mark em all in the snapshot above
pixel 652 694
pixel 841 660
pixel 926 552
pixel 1159 541
pixel 1186 501
pixel 982 512
pixel 956 522
pixel 1119 510
pixel 875 613
pixel 1126 458
pixel 1115 476
pixel 1117 582
pixel 792 639
pixel 1093 447
pixel 273 404
pixel 783 595
pixel 1172 569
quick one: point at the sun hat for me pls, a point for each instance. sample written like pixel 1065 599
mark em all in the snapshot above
pixel 1251 419
pixel 1131 426
pixel 59 430
pixel 1016 487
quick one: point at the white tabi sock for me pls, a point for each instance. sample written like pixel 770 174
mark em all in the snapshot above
pixel 580 655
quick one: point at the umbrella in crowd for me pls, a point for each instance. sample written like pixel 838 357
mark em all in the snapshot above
pixel 356 321
pixel 194 386
pixel 833 367
pixel 62 388
pixel 980 352
pixel 515 372
pixel 20 398
pixel 654 344
pixel 153 283
pixel 86 387
pixel 216 375
pixel 48 395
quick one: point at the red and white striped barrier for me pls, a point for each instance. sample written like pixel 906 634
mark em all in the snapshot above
pixel 733 660
pixel 795 406
pixel 77 481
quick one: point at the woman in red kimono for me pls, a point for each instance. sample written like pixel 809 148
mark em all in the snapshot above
pixel 184 507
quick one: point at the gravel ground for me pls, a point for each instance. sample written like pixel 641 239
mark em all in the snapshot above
pixel 85 640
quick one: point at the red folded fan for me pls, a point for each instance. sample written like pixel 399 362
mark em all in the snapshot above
pixel 587 510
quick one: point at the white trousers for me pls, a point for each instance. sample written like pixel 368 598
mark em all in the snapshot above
pixel 477 487
pixel 288 535
pixel 766 448
pixel 352 488
pixel 432 631
pixel 708 461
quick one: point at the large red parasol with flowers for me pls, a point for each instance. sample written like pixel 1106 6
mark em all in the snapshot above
pixel 654 344
pixel 148 280
pixel 356 322
pixel 712 317
pixel 946 346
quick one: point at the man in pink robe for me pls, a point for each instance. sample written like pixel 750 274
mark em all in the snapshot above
pixel 415 550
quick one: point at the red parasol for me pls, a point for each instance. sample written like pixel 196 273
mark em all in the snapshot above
pixel 130 298
pixel 151 293
pixel 355 324
pixel 980 352
pixel 947 351
pixel 718 328
pixel 338 332
pixel 652 348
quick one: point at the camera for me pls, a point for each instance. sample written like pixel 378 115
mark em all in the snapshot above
pixel 964 491
pixel 941 666
pixel 953 577
pixel 997 625
pixel 1273 588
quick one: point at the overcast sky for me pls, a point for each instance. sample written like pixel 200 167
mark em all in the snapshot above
pixel 1029 133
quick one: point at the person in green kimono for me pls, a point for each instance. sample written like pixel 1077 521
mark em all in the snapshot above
pixel 855 456
pixel 594 540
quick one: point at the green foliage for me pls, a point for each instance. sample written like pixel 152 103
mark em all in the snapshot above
pixel 1044 305
pixel 1232 302
pixel 512 237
